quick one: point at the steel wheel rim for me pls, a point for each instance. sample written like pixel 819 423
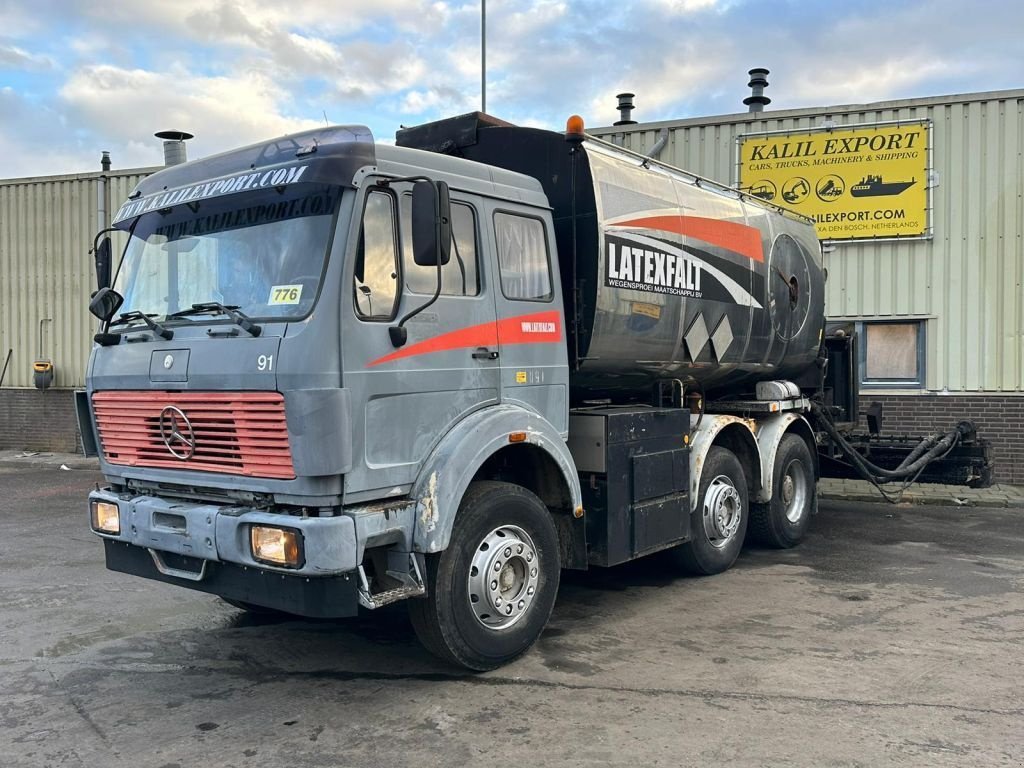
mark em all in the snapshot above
pixel 504 576
pixel 793 490
pixel 723 511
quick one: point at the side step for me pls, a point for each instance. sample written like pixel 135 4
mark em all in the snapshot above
pixel 410 578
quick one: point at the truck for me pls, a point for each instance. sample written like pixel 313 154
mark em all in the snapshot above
pixel 332 374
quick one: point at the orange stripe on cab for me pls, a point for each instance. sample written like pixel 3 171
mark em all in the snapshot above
pixel 536 328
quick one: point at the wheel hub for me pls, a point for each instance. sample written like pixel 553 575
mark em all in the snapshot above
pixel 723 511
pixel 503 577
pixel 787 489
pixel 795 490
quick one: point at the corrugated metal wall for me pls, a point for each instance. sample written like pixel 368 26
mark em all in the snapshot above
pixel 46 272
pixel 967 281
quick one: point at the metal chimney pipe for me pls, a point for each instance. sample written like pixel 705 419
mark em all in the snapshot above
pixel 105 161
pixel 174 146
pixel 758 82
pixel 625 109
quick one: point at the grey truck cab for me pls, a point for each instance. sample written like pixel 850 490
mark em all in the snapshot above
pixel 334 374
pixel 265 433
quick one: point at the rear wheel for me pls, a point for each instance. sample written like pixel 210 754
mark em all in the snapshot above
pixel 719 522
pixel 783 521
pixel 490 593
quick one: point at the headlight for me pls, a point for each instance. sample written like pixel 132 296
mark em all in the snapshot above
pixel 105 518
pixel 276 546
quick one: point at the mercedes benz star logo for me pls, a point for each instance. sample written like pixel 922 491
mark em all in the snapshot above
pixel 177 433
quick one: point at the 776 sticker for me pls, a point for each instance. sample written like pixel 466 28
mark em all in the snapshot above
pixel 285 294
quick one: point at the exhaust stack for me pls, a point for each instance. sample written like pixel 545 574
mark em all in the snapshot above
pixel 758 82
pixel 174 146
pixel 625 109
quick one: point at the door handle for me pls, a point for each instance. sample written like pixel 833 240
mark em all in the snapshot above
pixel 483 353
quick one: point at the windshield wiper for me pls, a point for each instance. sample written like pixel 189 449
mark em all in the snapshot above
pixel 131 317
pixel 231 310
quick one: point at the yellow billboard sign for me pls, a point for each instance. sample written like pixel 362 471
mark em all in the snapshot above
pixel 862 182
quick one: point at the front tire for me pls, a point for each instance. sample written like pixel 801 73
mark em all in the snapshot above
pixel 719 521
pixel 491 592
pixel 783 521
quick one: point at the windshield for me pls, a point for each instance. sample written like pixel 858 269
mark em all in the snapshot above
pixel 262 252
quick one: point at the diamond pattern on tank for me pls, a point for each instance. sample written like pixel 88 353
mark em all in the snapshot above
pixel 722 338
pixel 696 337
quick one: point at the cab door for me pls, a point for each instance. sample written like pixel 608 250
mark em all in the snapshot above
pixel 531 322
pixel 405 399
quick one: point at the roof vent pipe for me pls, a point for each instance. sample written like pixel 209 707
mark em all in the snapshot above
pixel 105 161
pixel 625 109
pixel 174 146
pixel 758 82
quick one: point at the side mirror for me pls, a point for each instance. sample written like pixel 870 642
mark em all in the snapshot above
pixel 399 334
pixel 105 302
pixel 431 223
pixel 103 264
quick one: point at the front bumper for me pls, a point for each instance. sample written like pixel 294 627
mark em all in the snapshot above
pixel 327 597
pixel 206 547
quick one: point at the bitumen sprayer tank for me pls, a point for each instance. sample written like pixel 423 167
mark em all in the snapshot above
pixel 668 276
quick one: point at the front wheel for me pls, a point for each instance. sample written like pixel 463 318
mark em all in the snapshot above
pixel 719 522
pixel 491 592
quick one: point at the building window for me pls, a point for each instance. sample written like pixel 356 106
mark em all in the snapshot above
pixel 892 354
pixel 523 257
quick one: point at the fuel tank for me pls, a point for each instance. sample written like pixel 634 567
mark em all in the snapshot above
pixel 665 275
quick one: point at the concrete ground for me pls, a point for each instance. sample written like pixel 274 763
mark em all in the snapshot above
pixel 924 493
pixel 892 636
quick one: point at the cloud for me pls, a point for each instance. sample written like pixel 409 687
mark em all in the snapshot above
pixel 448 100
pixel 12 57
pixel 222 112
pixel 88 76
pixel 21 21
pixel 37 139
pixel 239 18
pixel 685 6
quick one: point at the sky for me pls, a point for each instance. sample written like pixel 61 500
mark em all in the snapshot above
pixel 79 76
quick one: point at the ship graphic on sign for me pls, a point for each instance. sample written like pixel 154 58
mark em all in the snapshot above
pixel 873 186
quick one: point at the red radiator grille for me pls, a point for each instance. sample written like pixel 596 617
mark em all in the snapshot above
pixel 239 433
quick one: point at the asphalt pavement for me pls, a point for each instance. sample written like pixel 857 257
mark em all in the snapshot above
pixel 891 636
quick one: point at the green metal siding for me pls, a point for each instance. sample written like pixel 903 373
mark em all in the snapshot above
pixel 967 281
pixel 46 229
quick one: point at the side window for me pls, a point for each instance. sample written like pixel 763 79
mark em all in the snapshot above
pixel 459 277
pixel 376 270
pixel 523 257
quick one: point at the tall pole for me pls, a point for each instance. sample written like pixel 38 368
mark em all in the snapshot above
pixel 483 55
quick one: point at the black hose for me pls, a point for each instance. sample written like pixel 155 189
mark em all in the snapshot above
pixel 931 448
pixel 923 446
pixel 923 454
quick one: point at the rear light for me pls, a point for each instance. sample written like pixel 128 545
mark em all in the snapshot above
pixel 276 546
pixel 105 517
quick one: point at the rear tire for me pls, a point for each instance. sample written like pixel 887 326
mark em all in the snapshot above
pixel 719 522
pixel 783 521
pixel 491 592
